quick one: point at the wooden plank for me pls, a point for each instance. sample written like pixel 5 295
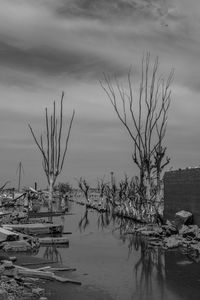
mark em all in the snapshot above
pixel 39 263
pixel 44 214
pixel 53 240
pixel 34 273
pixel 2 214
pixel 44 268
pixel 44 274
pixel 31 225
pixel 62 269
pixel 66 280
pixel 47 214
pixel 35 228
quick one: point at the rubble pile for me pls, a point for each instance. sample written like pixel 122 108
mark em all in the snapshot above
pixel 15 218
pixel 17 242
pixel 172 234
pixel 15 287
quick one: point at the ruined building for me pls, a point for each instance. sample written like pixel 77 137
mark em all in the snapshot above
pixel 182 192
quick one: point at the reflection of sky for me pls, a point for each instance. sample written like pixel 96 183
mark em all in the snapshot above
pixel 50 46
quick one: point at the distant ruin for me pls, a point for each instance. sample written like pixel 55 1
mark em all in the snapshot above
pixel 182 192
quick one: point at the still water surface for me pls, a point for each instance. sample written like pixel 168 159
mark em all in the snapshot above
pixel 111 265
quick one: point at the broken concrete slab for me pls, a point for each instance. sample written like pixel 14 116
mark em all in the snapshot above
pixel 17 246
pixel 189 231
pixel 7 235
pixel 35 228
pixel 38 291
pixel 172 242
pixel 183 217
pixel 53 240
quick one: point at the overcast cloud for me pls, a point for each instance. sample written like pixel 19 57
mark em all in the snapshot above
pixel 49 46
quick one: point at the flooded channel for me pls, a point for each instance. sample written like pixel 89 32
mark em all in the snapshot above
pixel 111 265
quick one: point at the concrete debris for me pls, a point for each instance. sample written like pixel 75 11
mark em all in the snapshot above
pixel 38 291
pixel 18 234
pixel 168 236
pixel 17 282
pixel 16 246
pixel 183 218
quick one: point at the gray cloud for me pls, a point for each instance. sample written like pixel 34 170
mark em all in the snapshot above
pixel 106 10
pixel 36 39
pixel 51 61
pixel 47 46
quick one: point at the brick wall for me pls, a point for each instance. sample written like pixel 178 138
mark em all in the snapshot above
pixel 182 192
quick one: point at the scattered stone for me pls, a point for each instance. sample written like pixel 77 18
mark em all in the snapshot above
pixel 17 246
pixel 28 285
pixel 7 263
pixel 4 256
pixel 183 218
pixel 169 228
pixel 38 291
pixel 196 247
pixel 189 231
pixel 198 235
pixel 3 294
pixel 13 258
pixel 172 242
pixel 8 235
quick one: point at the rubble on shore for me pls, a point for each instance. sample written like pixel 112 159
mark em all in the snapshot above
pixel 175 234
pixel 16 287
pixel 181 232
pixel 18 234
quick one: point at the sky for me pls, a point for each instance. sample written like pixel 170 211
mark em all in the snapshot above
pixel 48 46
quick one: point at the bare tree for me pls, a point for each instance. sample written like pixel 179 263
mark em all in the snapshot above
pixel 53 156
pixel 144 116
pixel 101 186
pixel 84 187
pixel 127 188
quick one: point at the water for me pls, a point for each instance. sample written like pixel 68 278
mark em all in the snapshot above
pixel 111 265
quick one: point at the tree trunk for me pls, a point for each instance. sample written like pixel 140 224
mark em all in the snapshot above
pixel 50 194
pixel 148 188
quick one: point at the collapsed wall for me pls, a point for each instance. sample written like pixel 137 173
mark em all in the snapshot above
pixel 182 192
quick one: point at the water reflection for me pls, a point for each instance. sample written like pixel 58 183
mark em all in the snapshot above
pixel 51 253
pixel 103 220
pixel 123 266
pixel 84 221
pixel 150 265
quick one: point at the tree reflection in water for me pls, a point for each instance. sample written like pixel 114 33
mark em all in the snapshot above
pixel 104 220
pixel 51 253
pixel 151 263
pixel 150 267
pixel 84 221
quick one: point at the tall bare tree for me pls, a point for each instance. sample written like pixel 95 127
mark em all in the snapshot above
pixel 53 153
pixel 144 116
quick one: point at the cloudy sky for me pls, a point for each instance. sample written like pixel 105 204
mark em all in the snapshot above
pixel 48 46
